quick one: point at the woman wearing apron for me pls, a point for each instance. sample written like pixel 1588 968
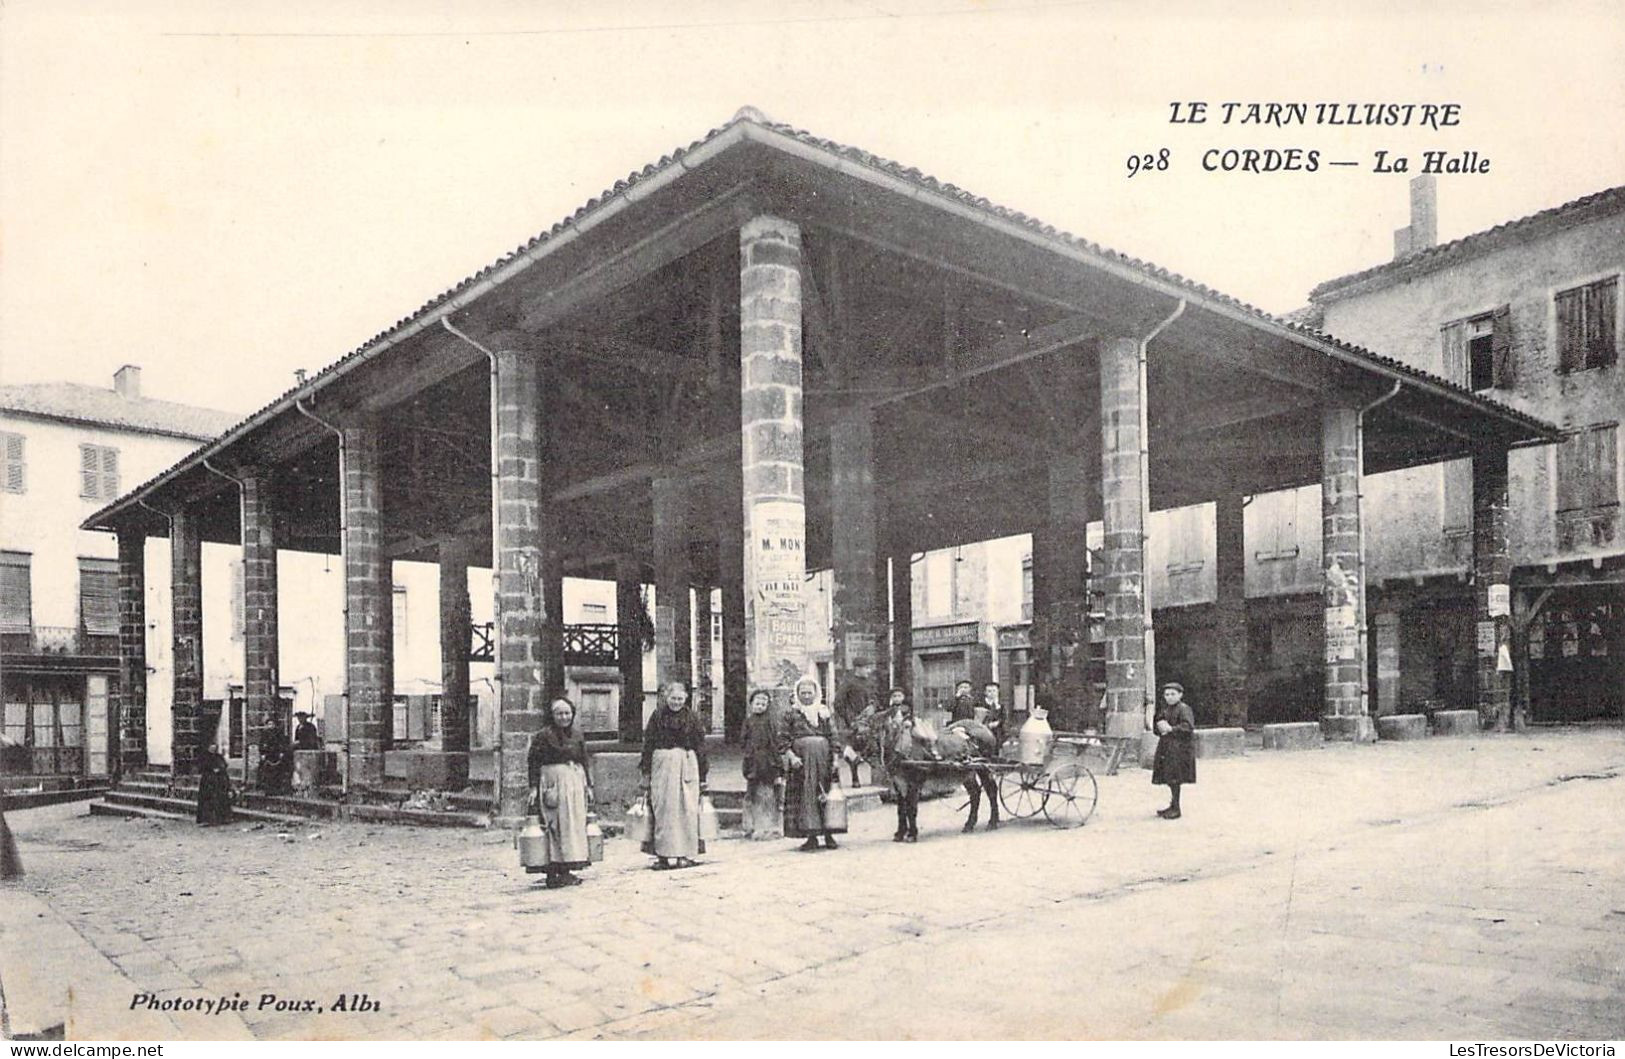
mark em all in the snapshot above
pixel 810 739
pixel 674 770
pixel 561 786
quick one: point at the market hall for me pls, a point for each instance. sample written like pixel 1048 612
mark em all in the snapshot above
pixel 767 354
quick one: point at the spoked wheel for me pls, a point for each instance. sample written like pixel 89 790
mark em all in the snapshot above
pixel 1022 792
pixel 1070 796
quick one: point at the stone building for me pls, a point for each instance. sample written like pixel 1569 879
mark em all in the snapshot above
pixel 69 449
pixel 767 354
pixel 1527 313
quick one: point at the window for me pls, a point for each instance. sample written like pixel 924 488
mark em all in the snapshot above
pixel 1478 351
pixel 15 450
pixel 1277 523
pixel 1587 469
pixel 1586 334
pixel 1026 588
pixel 1588 487
pixel 98 596
pixel 98 472
pixel 16 592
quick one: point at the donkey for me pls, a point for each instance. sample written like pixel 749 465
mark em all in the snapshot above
pixel 909 748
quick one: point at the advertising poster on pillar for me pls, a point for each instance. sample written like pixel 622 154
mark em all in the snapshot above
pixel 1018 519
pixel 776 552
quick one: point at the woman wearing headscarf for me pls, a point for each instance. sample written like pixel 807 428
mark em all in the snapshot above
pixel 764 768
pixel 809 742
pixel 674 769
pixel 561 786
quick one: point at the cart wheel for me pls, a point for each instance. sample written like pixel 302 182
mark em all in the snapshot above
pixel 1022 792
pixel 1071 795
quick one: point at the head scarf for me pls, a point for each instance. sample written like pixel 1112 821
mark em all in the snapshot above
pixel 815 709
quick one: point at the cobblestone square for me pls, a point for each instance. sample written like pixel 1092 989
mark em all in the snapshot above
pixel 1448 888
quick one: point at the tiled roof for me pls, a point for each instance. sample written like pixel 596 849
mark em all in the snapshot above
pixel 638 183
pixel 1477 243
pixel 78 403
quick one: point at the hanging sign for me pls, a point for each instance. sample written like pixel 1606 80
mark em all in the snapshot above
pixel 1486 638
pixel 1500 601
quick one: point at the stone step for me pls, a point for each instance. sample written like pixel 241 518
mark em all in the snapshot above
pixel 135 812
pixel 1456 722
pixel 188 808
pixel 1296 735
pixel 1402 726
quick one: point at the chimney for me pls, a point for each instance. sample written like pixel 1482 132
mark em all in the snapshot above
pixel 1423 231
pixel 127 381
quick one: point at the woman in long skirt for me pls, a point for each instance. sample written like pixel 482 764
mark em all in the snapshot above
pixel 810 739
pixel 674 770
pixel 1175 762
pixel 213 781
pixel 561 785
pixel 764 770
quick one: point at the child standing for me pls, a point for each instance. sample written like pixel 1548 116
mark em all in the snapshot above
pixel 764 771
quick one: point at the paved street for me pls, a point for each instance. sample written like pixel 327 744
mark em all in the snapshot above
pixel 1448 888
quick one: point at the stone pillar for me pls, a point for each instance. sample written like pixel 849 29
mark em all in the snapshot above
pixel 186 625
pixel 1230 610
pixel 1492 589
pixel 521 606
pixel 369 608
pixel 1346 714
pixel 629 645
pixel 674 626
pixel 902 622
pixel 1060 628
pixel 774 508
pixel 262 706
pixel 456 643
pixel 1124 516
pixel 132 651
pixel 859 594
pixel 731 578
pixel 553 598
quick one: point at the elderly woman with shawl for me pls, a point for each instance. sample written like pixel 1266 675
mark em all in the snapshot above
pixel 674 769
pixel 561 787
pixel 809 743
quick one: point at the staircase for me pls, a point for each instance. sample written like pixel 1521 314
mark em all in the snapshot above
pixel 152 793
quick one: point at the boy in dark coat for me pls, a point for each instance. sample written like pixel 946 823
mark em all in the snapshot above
pixel 764 769
pixel 1175 761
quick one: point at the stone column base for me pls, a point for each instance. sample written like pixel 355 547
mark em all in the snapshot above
pixel 1399 726
pixel 1348 729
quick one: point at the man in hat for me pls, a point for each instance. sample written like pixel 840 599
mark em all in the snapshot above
pixel 305 736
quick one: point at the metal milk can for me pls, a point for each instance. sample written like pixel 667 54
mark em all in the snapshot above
pixel 532 844
pixel 835 808
pixel 1035 739
pixel 595 839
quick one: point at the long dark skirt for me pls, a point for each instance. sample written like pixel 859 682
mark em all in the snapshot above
pixel 214 798
pixel 803 795
pixel 1175 760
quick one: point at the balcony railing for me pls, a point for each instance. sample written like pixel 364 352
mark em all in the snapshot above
pixel 59 640
pixel 585 644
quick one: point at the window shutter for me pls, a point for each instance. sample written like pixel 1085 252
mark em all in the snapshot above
pixel 1599 323
pixel 16 464
pixel 16 593
pixel 1570 330
pixel 1501 348
pixel 98 596
pixel 110 488
pixel 1454 364
pixel 239 617
pixel 89 472
pixel 1601 468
